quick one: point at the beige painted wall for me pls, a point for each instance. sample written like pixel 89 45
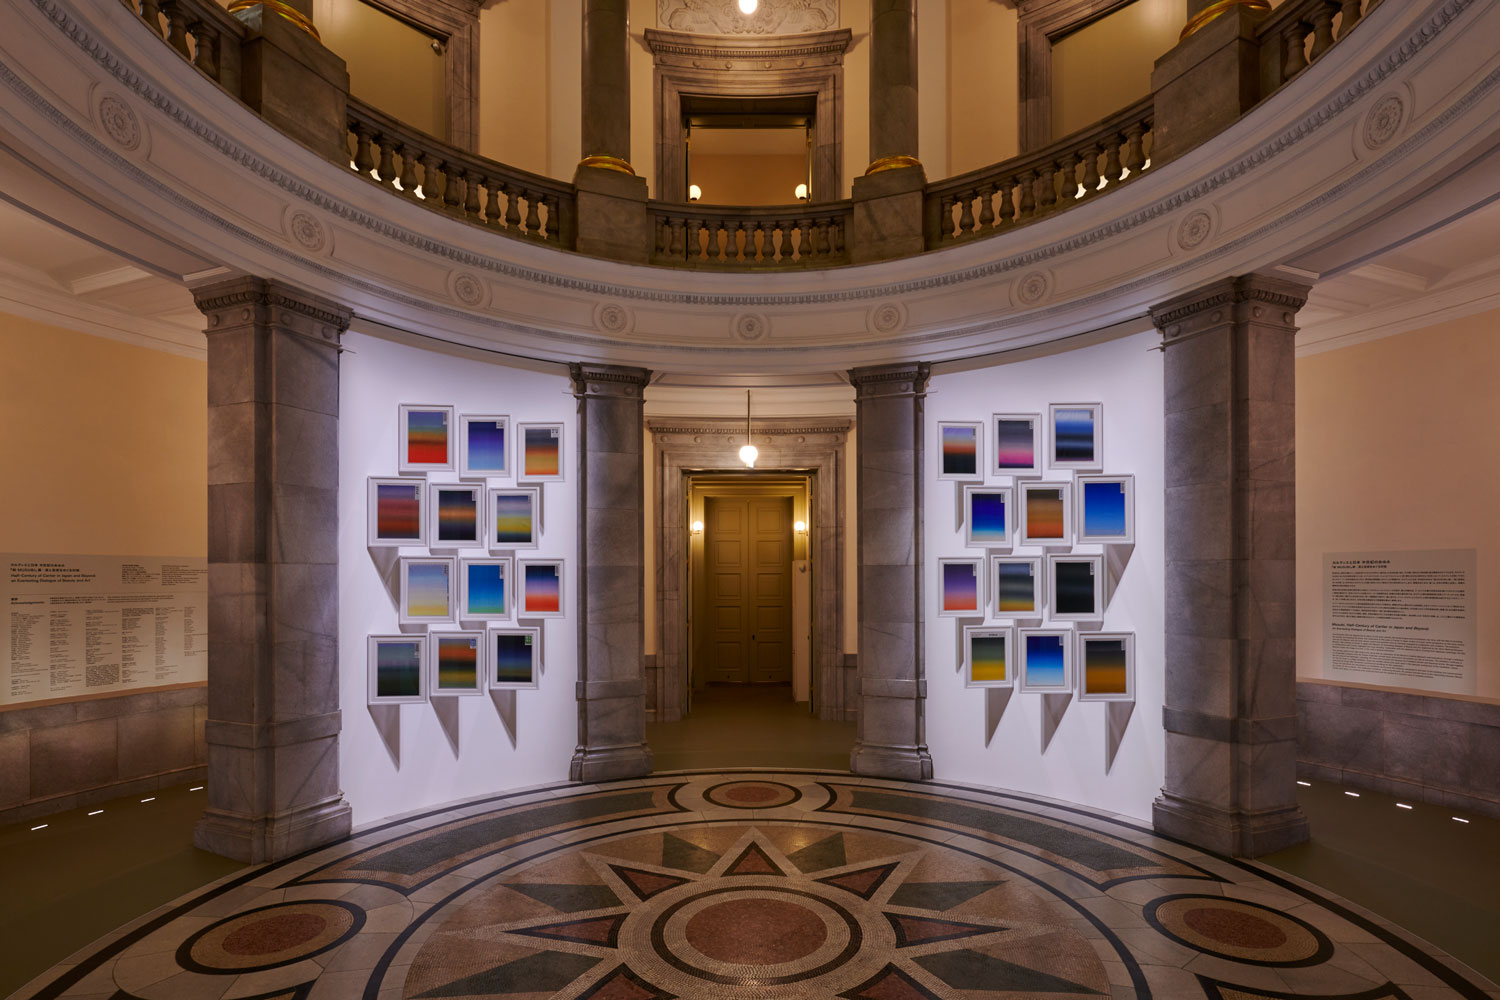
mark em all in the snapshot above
pixel 106 445
pixel 563 88
pixel 1396 449
pixel 855 15
pixel 391 65
pixel 983 92
pixel 749 180
pixel 642 93
pixel 1103 67
pixel 515 119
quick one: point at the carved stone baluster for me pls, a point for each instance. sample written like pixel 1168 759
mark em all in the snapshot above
pixel 1349 11
pixel 1091 171
pixel 387 168
pixel 177 27
pixel 206 49
pixel 151 14
pixel 741 242
pixel 945 216
pixel 1112 160
pixel 784 249
pixel 809 240
pixel 1135 152
pixel 1028 195
pixel 695 248
pixel 1069 179
pixel 759 238
pixel 1294 36
pixel 1007 206
pixel 512 208
pixel 453 193
pixel 675 248
pixel 553 226
pixel 408 170
pixel 663 237
pixel 1322 19
pixel 363 161
pixel 471 194
pixel 1047 190
pixel 533 218
pixel 986 207
pixel 965 214
pixel 432 190
pixel 836 237
pixel 825 238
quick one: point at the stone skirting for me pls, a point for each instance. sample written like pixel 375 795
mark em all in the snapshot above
pixel 59 757
pixel 1444 751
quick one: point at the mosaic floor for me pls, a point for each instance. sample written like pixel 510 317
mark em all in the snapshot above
pixel 759 884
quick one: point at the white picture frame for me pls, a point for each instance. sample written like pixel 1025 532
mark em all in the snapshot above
pixel 979 670
pixel 477 579
pixel 1045 658
pixel 1006 575
pixel 980 529
pixel 522 506
pixel 478 455
pixel 1113 517
pixel 388 501
pixel 440 647
pixel 427 596
pixel 960 450
pixel 503 647
pixel 539 593
pixel 1008 442
pixel 473 534
pixel 960 588
pixel 424 438
pixel 396 669
pixel 534 463
pixel 1075 436
pixel 1042 506
pixel 1100 658
pixel 1075 587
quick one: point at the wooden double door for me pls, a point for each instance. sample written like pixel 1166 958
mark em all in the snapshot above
pixel 749 568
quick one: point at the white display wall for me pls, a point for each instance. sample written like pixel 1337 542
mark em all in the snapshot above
pixel 1106 755
pixel 394 759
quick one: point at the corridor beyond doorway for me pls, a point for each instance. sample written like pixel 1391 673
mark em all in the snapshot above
pixel 749 725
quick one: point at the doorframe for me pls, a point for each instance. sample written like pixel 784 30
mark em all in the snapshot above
pixel 793 445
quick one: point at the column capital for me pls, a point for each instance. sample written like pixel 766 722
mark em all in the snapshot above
pixel 247 301
pixel 1251 298
pixel 608 380
pixel 907 378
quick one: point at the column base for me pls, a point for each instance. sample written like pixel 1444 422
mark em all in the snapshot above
pixel 272 838
pixel 610 764
pixel 901 763
pixel 1238 834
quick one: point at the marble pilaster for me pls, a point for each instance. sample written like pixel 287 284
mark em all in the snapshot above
pixel 1230 713
pixel 890 740
pixel 273 684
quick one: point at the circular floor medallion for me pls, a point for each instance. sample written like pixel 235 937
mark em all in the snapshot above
pixel 1238 931
pixel 270 937
pixel 752 794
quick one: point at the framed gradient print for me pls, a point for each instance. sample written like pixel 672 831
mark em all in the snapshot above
pixel 426 438
pixel 1016 586
pixel 1046 516
pixel 483 446
pixel 1018 444
pixel 396 666
pixel 959 448
pixel 1076 436
pixel 456 512
pixel 541 457
pixel 455 664
pixel 989 515
pixel 961 588
pixel 484 590
pixel 513 658
pixel 396 512
pixel 429 590
pixel 515 520
pixel 540 591
pixel 1045 658
pixel 1106 666
pixel 1106 509
pixel 989 656
pixel 1075 587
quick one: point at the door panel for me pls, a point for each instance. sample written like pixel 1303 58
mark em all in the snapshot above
pixel 749 571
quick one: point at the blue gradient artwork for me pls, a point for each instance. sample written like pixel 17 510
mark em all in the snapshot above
pixel 486 583
pixel 486 444
pixel 1103 510
pixel 1045 663
pixel 1073 435
pixel 987 518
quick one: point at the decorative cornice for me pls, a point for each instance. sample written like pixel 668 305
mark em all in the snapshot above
pixel 776 49
pixel 915 374
pixel 586 376
pixel 1277 292
pixel 729 427
pixel 258 293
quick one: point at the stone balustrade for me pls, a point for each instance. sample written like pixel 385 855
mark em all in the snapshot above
pixel 1300 31
pixel 1075 168
pixel 803 235
pixel 201 31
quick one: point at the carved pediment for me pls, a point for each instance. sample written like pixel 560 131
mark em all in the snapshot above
pixel 723 17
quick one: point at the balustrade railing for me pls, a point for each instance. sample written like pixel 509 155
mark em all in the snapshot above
pixel 201 31
pixel 447 179
pixel 802 235
pixel 1076 168
pixel 1299 31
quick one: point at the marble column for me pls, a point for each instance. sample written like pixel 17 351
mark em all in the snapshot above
pixel 1230 714
pixel 612 216
pixel 891 740
pixel 273 665
pixel 893 79
pixel 611 573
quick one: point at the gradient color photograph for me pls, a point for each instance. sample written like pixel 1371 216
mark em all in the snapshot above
pixel 960 586
pixel 486 588
pixel 542 452
pixel 1015 444
pixel 457 663
pixel 428 590
pixel 1044 514
pixel 1073 435
pixel 960 450
pixel 1104 667
pixel 987 518
pixel 457 515
pixel 514 662
pixel 543 590
pixel 513 519
pixel 1045 661
pixel 1103 509
pixel 427 437
pixel 485 446
pixel 989 658
pixel 398 669
pixel 1015 588
pixel 398 512
pixel 1073 588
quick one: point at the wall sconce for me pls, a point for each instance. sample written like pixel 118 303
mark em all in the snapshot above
pixel 801 192
pixel 800 527
pixel 698 527
pixel 694 192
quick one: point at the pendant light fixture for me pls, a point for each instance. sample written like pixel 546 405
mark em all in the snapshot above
pixel 747 7
pixel 749 453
